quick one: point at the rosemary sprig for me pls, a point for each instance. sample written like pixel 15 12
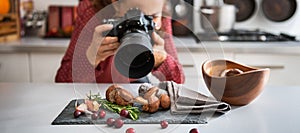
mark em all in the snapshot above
pixel 134 112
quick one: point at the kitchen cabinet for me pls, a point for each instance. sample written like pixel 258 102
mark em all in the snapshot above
pixel 14 67
pixel 29 67
pixel 284 67
pixel 39 59
pixel 44 66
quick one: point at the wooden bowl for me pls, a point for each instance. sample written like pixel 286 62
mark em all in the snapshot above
pixel 232 82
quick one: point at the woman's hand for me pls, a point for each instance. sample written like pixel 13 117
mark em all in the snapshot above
pixel 159 51
pixel 101 47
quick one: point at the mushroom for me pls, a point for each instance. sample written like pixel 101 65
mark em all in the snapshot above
pixel 151 92
pixel 141 100
pixel 161 94
pixel 151 100
pixel 231 72
pixel 110 93
pixel 153 105
pixel 157 96
pixel 144 88
pixel 117 94
pixel 165 101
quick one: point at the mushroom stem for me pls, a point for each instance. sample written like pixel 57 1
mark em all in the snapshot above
pixel 141 100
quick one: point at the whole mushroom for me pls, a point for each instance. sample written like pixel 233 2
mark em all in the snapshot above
pixel 153 105
pixel 165 101
pixel 117 94
pixel 231 72
pixel 150 102
pixel 156 96
pixel 163 96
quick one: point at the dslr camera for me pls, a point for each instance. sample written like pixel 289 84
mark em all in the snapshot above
pixel 134 58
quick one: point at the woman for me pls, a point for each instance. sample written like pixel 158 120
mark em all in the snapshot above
pixel 90 59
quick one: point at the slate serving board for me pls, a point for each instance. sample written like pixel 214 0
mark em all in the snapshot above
pixel 66 118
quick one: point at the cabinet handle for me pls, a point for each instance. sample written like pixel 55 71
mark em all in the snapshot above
pixel 187 65
pixel 269 66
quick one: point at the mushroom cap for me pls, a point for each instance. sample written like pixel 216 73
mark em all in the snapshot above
pixel 111 92
pixel 165 101
pixel 123 97
pixel 117 94
pixel 151 92
pixel 144 88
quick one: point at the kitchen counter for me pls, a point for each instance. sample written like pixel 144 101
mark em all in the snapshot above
pixel 183 44
pixel 36 45
pixel 31 108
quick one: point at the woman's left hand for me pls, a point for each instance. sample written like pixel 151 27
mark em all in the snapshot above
pixel 159 51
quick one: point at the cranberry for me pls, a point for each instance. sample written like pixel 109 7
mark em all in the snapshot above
pixel 124 113
pixel 102 114
pixel 94 116
pixel 130 130
pixel 164 124
pixel 119 123
pixel 77 113
pixel 110 122
pixel 194 130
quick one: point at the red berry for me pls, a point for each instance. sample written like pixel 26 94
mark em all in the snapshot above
pixel 77 113
pixel 119 123
pixel 94 116
pixel 124 113
pixel 102 114
pixel 164 124
pixel 110 122
pixel 130 130
pixel 194 130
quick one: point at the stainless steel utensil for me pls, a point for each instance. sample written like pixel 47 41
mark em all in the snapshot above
pixel 219 17
pixel 181 9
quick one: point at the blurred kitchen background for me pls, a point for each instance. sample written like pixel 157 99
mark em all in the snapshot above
pixel 34 35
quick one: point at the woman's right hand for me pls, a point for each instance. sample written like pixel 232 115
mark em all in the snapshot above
pixel 101 47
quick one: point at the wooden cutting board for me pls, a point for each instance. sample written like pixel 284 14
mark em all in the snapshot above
pixel 66 118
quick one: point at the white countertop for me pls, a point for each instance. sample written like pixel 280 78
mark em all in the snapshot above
pixel 30 108
pixel 183 44
pixel 36 45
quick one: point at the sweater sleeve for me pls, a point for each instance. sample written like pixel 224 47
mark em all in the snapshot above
pixel 170 69
pixel 75 66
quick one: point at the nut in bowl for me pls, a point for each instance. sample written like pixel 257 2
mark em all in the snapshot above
pixel 232 82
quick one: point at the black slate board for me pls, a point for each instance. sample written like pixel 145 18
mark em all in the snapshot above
pixel 66 118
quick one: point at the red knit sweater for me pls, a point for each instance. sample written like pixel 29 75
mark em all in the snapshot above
pixel 76 68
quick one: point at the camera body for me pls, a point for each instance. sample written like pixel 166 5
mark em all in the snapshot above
pixel 133 21
pixel 134 57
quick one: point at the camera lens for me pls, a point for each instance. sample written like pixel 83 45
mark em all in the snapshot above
pixel 134 58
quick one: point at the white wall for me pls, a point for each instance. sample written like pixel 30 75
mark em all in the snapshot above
pixel 259 21
pixel 43 4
